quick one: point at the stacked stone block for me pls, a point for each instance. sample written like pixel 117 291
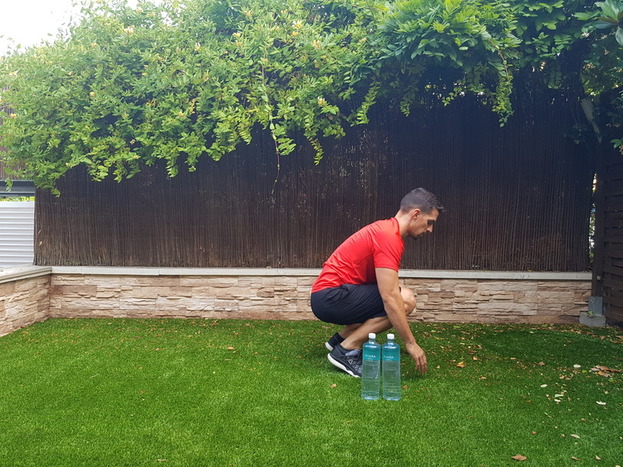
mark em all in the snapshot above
pixel 272 294
pixel 23 302
pixel 499 301
pixel 287 297
pixel 248 297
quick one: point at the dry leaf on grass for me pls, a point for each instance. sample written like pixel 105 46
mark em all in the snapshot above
pixel 604 370
pixel 519 457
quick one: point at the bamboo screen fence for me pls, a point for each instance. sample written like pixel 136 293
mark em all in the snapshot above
pixel 517 197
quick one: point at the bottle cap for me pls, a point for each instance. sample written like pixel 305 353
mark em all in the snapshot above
pixel 372 336
pixel 390 337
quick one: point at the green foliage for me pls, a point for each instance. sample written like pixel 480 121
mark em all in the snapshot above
pixel 609 16
pixel 547 29
pixel 603 70
pixel 196 78
pixel 16 198
pixel 449 48
pixel 134 86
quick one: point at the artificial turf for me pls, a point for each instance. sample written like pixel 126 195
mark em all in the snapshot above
pixel 245 393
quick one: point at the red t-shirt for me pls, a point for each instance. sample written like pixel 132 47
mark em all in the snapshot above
pixel 378 245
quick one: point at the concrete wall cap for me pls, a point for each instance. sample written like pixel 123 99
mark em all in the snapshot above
pixel 23 272
pixel 305 272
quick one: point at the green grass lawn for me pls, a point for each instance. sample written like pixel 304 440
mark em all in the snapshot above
pixel 247 393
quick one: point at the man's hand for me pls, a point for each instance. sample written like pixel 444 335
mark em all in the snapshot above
pixel 418 356
pixel 389 288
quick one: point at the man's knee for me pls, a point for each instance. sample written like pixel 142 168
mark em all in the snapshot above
pixel 409 300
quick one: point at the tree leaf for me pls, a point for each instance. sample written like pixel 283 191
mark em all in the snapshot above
pixel 585 16
pixel 519 457
pixel 608 8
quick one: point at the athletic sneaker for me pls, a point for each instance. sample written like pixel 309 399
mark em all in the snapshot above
pixel 335 340
pixel 349 361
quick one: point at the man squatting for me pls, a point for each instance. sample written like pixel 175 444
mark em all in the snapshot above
pixel 358 286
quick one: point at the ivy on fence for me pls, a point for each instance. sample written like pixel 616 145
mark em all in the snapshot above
pixel 126 87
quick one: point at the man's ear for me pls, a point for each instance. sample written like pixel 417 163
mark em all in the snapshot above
pixel 415 213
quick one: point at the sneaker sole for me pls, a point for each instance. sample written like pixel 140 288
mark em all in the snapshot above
pixel 341 367
pixel 328 346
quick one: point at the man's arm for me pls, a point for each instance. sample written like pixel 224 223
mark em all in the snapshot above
pixel 387 281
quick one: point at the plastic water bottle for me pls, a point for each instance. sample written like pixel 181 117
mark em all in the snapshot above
pixel 391 370
pixel 371 370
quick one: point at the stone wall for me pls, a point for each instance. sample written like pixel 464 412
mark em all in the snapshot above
pixel 275 294
pixel 24 300
pixel 442 296
pixel 169 296
pixel 500 301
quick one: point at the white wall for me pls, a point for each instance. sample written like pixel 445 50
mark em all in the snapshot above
pixel 17 219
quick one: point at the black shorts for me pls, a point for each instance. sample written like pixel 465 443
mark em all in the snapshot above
pixel 348 304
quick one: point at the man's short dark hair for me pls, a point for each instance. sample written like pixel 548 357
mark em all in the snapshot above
pixel 422 199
